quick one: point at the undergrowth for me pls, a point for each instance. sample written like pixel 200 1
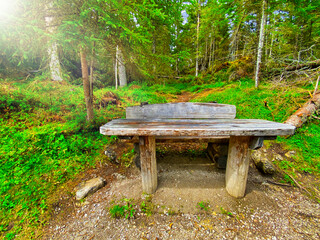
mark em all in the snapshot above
pixel 45 140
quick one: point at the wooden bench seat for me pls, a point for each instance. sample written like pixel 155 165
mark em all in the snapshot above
pixel 193 121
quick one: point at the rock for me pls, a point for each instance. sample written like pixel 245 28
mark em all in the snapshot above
pixel 278 157
pixel 89 187
pixel 262 162
pixel 111 155
pixel 118 176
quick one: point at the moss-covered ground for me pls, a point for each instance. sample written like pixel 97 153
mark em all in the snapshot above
pixel 45 140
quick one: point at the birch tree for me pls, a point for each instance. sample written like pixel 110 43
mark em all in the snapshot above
pixel 116 68
pixel 122 68
pixel 198 29
pixel 260 44
pixel 54 62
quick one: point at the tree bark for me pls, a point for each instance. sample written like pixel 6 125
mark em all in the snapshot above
pixel 197 50
pixel 54 63
pixel 116 69
pixel 260 46
pixel 154 51
pixel 91 72
pixel 307 110
pixel 86 85
pixel 122 69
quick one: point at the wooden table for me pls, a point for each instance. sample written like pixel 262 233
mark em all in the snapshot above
pixel 242 134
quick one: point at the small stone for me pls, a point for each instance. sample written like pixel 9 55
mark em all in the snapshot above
pixel 278 157
pixel 290 154
pixel 87 187
pixel 111 155
pixel 118 176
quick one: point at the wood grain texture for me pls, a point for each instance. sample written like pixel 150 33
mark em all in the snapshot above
pixel 180 139
pixel 237 166
pixel 181 110
pixel 195 127
pixel 148 164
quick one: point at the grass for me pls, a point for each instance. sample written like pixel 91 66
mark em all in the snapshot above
pixel 267 102
pixel 45 140
pixel 128 208
pixel 274 103
pixel 124 209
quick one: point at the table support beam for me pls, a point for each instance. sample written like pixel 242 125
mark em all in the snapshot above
pixel 148 164
pixel 237 165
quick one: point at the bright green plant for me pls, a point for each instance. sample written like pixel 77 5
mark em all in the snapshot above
pixel 147 207
pixel 124 209
pixel 225 212
pixel 127 158
pixel 204 205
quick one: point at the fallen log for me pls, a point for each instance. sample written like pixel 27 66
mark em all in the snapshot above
pixel 301 66
pixel 297 119
pixel 307 110
pixel 312 64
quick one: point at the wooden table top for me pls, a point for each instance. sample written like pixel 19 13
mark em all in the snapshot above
pixel 195 127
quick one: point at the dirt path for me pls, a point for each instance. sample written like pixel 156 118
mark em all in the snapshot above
pixel 187 178
pixel 184 97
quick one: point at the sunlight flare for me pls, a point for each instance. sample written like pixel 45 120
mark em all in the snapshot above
pixel 7 8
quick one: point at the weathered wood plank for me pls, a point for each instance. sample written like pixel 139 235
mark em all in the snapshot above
pixel 237 166
pixel 160 139
pixel 181 110
pixel 148 164
pixel 196 128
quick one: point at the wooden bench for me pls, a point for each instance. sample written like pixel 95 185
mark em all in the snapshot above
pixel 196 121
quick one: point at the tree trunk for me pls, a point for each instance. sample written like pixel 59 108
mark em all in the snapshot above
pixel 54 63
pixel 122 69
pixel 307 110
pixel 154 51
pixel 210 51
pixel 234 41
pixel 197 50
pixel 116 68
pixel 86 85
pixel 205 59
pixel 91 72
pixel 261 40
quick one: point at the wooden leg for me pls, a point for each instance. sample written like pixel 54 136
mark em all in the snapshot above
pixel 148 164
pixel 237 166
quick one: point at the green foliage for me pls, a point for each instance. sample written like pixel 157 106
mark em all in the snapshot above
pixel 45 140
pixel 147 206
pixel 226 212
pixel 288 179
pixel 204 205
pixel 127 158
pixel 40 149
pixel 124 209
pixel 117 211
pixel 305 143
pixel 267 102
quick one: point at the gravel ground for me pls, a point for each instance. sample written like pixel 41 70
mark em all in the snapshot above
pixel 268 211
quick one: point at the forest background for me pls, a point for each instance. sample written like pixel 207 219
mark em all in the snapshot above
pixel 63 61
